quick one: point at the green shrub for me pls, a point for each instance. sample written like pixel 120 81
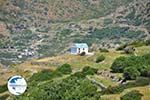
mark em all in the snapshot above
pixel 104 50
pixel 119 64
pixel 65 69
pixel 89 71
pixel 113 90
pixel 147 42
pixel 4 97
pixel 73 87
pixel 3 88
pixel 79 75
pixel 44 75
pixel 64 32
pixel 137 63
pixel 108 21
pixel 47 74
pixel 145 71
pixel 131 73
pixel 138 43
pixel 133 95
pixel 100 59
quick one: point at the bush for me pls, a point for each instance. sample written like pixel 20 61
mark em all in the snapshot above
pixel 103 50
pixel 145 71
pixel 47 74
pixel 73 87
pixel 133 95
pixel 131 73
pixel 100 58
pixel 119 64
pixel 79 75
pixel 113 90
pixel 44 76
pixel 65 69
pixel 108 21
pixel 136 63
pixel 3 88
pixel 4 97
pixel 138 43
pixel 89 71
pixel 85 71
pixel 147 42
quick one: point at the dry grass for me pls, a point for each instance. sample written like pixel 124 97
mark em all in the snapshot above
pixel 111 97
pixel 79 62
pixel 144 90
pixel 142 50
pixel 5 74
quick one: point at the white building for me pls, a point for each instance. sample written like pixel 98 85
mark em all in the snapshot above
pixel 78 48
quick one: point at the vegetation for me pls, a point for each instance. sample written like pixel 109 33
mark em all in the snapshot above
pixel 138 43
pixel 48 27
pixel 100 58
pixel 147 42
pixel 64 33
pixel 47 75
pixel 65 69
pixel 64 88
pixel 89 71
pixel 131 73
pixel 108 21
pixel 4 97
pixel 120 88
pixel 104 50
pixel 3 88
pixel 119 65
pixel 110 33
pixel 132 66
pixel 132 95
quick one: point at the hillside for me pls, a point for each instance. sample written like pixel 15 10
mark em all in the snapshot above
pixel 37 28
pixel 35 41
pixel 43 72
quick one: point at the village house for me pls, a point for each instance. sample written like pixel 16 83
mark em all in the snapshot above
pixel 79 48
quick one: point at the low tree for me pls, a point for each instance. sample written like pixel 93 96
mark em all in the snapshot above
pixel 131 73
pixel 100 58
pixel 119 64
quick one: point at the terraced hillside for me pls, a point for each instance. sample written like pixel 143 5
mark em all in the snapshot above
pixel 48 75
